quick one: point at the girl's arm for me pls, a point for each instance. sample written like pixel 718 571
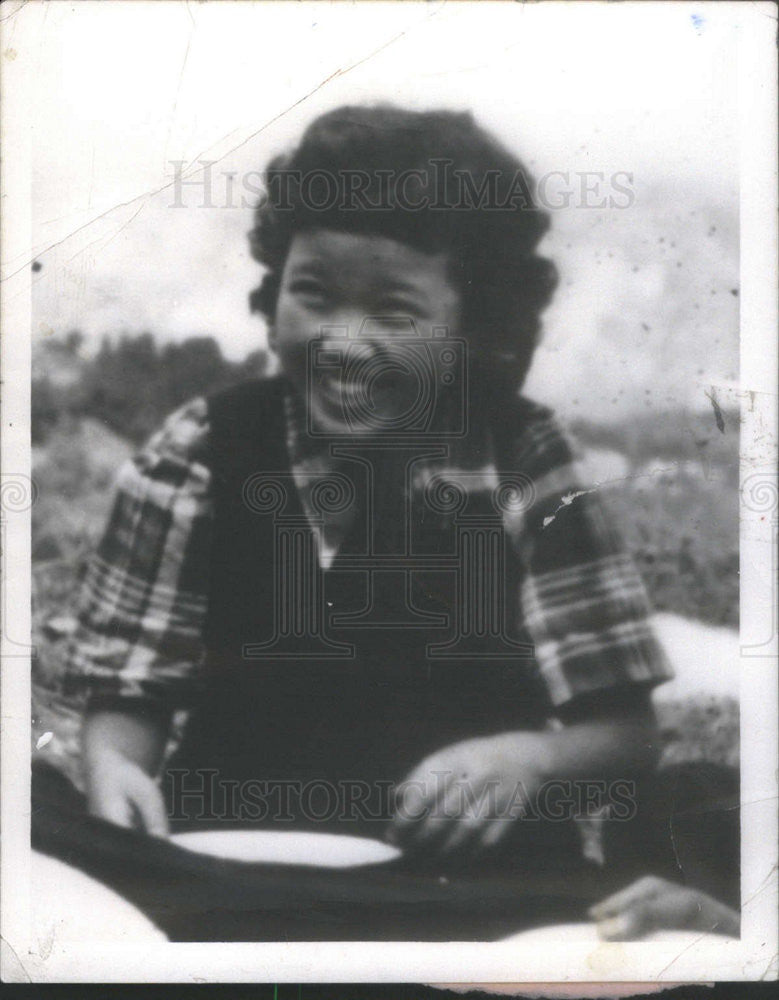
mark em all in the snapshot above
pixel 122 751
pixel 611 734
pixel 137 733
pixel 133 664
pixel 470 794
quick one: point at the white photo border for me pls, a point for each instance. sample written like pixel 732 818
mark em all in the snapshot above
pixel 754 956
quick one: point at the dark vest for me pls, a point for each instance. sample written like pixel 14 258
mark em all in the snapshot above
pixel 334 674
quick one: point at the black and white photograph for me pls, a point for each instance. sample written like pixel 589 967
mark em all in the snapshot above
pixel 389 492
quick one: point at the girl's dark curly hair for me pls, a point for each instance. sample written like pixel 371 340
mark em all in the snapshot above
pixel 437 181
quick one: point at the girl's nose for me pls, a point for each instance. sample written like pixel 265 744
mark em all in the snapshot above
pixel 343 334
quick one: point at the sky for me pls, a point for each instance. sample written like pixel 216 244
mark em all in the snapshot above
pixel 647 310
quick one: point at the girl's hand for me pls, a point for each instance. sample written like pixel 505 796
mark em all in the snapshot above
pixel 653 903
pixel 121 792
pixel 467 795
pixel 121 750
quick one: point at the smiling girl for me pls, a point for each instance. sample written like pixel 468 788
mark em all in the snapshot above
pixel 456 630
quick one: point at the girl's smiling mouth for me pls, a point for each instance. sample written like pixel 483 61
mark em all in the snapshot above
pixel 370 385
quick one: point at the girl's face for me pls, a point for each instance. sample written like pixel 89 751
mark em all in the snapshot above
pixel 353 319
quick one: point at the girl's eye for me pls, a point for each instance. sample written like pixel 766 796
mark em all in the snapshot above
pixel 401 307
pixel 311 293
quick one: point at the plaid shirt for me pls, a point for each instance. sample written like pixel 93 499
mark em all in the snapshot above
pixel 145 593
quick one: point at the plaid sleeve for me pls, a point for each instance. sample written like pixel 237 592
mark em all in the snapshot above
pixel 583 600
pixel 144 594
